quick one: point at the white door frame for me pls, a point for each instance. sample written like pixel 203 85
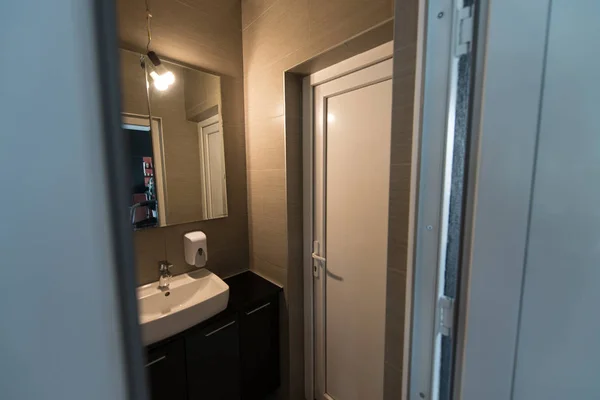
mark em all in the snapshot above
pixel 137 120
pixel 353 64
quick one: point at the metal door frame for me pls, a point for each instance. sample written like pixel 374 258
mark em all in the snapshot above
pixel 433 137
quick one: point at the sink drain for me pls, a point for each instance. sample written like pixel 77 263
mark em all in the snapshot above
pixel 167 294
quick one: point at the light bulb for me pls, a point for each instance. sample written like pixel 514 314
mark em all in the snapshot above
pixel 162 81
pixel 168 77
pixel 161 84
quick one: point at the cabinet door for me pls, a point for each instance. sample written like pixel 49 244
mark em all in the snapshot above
pixel 260 349
pixel 213 361
pixel 165 369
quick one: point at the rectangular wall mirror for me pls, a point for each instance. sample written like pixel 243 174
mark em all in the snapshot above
pixel 177 162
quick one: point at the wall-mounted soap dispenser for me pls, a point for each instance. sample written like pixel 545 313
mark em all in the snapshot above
pixel 194 247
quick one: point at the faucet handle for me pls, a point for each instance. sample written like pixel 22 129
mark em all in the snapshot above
pixel 164 266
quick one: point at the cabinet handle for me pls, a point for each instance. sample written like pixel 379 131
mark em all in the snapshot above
pixel 258 309
pixel 219 329
pixel 155 361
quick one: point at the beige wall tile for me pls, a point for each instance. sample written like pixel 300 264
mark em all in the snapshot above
pixel 268 179
pixel 267 199
pixel 133 83
pixel 357 44
pixel 296 353
pixel 323 60
pixel 399 191
pixel 270 271
pixel 374 37
pixel 280 30
pixel 149 250
pixel 265 144
pixel 269 240
pixel 397 243
pixel 264 93
pixel 405 60
pixel 265 133
pixel 394 328
pixel 271 204
pixel 295 283
pixel 261 158
pixel 402 121
pixel 294 161
pixel 406 16
pixel 335 21
pixel 252 9
pixel 400 177
pixel 232 93
pixel 392 387
pixel 293 95
pixel 404 92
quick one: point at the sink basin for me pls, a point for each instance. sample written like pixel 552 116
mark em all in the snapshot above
pixel 190 299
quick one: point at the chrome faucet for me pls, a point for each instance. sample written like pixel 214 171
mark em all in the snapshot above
pixel 164 267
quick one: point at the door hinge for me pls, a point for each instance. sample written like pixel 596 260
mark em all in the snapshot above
pixel 318 261
pixel 446 312
pixel 464 31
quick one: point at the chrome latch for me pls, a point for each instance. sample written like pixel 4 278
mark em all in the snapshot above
pixel 464 30
pixel 446 310
pixel 318 261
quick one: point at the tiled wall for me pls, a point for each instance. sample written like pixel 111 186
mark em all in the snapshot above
pixel 281 34
pixel 207 35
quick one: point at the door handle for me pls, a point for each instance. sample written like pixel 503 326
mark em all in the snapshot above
pixel 220 329
pixel 259 308
pixel 318 260
pixel 317 257
pixel 155 361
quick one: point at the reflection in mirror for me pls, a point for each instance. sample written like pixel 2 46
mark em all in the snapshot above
pixel 177 165
pixel 147 202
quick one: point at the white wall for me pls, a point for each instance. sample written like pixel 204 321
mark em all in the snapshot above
pixel 60 336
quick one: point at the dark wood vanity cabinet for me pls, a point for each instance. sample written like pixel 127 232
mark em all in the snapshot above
pixel 165 369
pixel 232 356
pixel 213 361
pixel 259 343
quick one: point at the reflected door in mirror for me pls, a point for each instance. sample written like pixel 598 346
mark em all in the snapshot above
pixel 212 165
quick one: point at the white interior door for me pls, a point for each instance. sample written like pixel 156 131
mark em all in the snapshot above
pixel 352 133
pixel 212 164
pixel 531 323
pixel 216 169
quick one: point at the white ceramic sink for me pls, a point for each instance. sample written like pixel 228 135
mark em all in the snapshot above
pixel 190 299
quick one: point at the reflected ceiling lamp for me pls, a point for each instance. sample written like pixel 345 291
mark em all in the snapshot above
pixel 161 76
